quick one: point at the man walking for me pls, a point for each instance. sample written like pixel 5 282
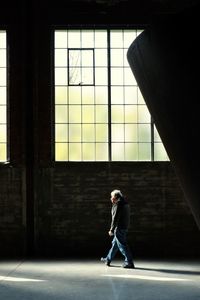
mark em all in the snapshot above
pixel 120 213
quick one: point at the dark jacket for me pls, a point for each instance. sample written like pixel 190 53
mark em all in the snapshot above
pixel 120 213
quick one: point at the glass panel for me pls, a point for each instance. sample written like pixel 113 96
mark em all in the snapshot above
pixel 88 151
pixel 140 97
pixel 61 151
pixel 88 95
pixel 74 58
pixel 61 113
pixel 117 57
pixel 101 113
pixel 3 58
pixel 117 76
pixel 130 95
pixel 87 38
pixel 117 132
pixel 2 95
pixel 87 59
pixel 102 151
pixel 101 95
pixel 60 76
pixel 144 132
pixel 143 114
pixel 160 152
pixel 75 76
pixel 117 151
pixel 101 76
pixel 74 151
pixel 101 57
pixel 117 95
pixel 61 39
pixel 60 95
pixel 2 114
pixel 88 114
pixel 131 151
pixel 131 132
pixel 131 115
pixel 74 133
pixel 117 113
pixel 3 134
pixel 116 39
pixel 3 76
pixel 61 134
pixel 101 133
pixel 145 151
pixel 129 37
pixel 101 38
pixel 156 135
pixel 74 114
pixel 87 76
pixel 74 95
pixel 74 39
pixel 88 131
pixel 128 77
pixel 3 152
pixel 60 57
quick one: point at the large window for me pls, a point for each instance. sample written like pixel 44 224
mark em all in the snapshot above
pixel 3 97
pixel 100 114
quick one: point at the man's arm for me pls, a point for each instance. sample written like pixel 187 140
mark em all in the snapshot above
pixel 115 218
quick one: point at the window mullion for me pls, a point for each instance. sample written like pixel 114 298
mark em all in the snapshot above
pixel 109 97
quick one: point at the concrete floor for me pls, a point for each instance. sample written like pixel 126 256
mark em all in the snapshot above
pixel 92 280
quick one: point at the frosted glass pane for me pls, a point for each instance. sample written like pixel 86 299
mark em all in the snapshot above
pixel 101 76
pixel 101 113
pixel 129 37
pixel 3 79
pixel 101 95
pixel 75 76
pixel 87 114
pixel 3 152
pixel 131 151
pixel 117 151
pixel 87 95
pixel 74 151
pixel 129 79
pixel 74 39
pixel 2 39
pixel 102 151
pixel 74 95
pixel 88 133
pixel 2 95
pixel 60 95
pixel 117 114
pixel 156 135
pixel 74 133
pixel 131 132
pixel 61 39
pixel 101 57
pixel 61 152
pixel 131 95
pixel 2 114
pixel 116 39
pixel 60 76
pixel 143 114
pixel 101 38
pixel 87 76
pixel 101 133
pixel 117 133
pixel 87 58
pixel 87 38
pixel 61 134
pixel 60 58
pixel 144 132
pixel 117 57
pixel 160 152
pixel 145 151
pixel 117 95
pixel 88 151
pixel 74 114
pixel 117 76
pixel 61 114
pixel 2 57
pixel 140 97
pixel 131 114
pixel 3 134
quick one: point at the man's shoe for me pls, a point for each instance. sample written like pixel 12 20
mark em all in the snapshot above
pixel 128 266
pixel 107 262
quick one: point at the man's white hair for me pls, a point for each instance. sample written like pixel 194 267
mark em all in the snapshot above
pixel 116 193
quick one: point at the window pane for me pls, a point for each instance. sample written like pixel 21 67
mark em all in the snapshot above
pixel 88 95
pixel 74 95
pixel 74 114
pixel 2 114
pixel 87 76
pixel 61 112
pixel 131 132
pixel 2 57
pixel 3 152
pixel 131 151
pixel 145 151
pixel 88 133
pixel 74 133
pixel 117 151
pixel 61 133
pixel 101 133
pixel 117 76
pixel 60 76
pixel 101 114
pixel 118 133
pixel 75 151
pixel 101 57
pixel 61 39
pixel 117 95
pixel 102 151
pixel 3 76
pixel 129 37
pixel 143 114
pixel 60 57
pixel 117 57
pixel 101 39
pixel 60 95
pixel 117 113
pixel 144 132
pixel 131 95
pixel 88 151
pixel 131 114
pixel 128 76
pixel 116 39
pixel 74 39
pixel 101 76
pixel 88 114
pixel 87 38
pixel 160 152
pixel 61 151
pixel 101 95
pixel 2 95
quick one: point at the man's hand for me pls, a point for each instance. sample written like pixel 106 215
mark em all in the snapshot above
pixel 110 233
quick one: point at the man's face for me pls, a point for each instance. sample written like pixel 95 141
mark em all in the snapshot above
pixel 113 199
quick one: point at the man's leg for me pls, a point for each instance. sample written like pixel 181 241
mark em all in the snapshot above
pixel 113 250
pixel 123 247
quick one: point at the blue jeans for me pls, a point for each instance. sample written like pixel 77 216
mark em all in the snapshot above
pixel 119 243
